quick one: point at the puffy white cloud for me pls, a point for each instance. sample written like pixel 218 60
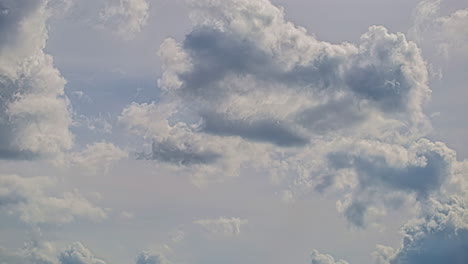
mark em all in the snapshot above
pixel 76 253
pixel 447 34
pixel 34 112
pixel 125 17
pixel 29 199
pixel 222 227
pixel 97 156
pixel 318 258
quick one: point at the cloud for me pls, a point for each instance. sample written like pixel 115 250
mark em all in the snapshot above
pixel 318 258
pixel 421 170
pixel 256 91
pixel 34 112
pixel 439 236
pixel 222 227
pixel 98 156
pixel 76 253
pixel 45 252
pixel 125 17
pixel 447 34
pixel 151 258
pixel 28 198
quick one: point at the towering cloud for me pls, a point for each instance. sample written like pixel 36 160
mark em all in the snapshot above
pixel 34 112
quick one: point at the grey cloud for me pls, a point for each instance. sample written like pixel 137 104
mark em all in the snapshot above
pixel 342 85
pixel 439 236
pixel 78 254
pixel 423 176
pixel 272 131
pixel 331 116
pixel 151 258
pixel 215 54
pixel 11 14
pixel 375 171
pixel 167 151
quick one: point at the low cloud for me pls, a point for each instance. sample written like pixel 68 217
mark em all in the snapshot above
pixel 440 235
pixel 30 200
pixel 318 258
pixel 125 17
pixel 34 112
pixel 222 227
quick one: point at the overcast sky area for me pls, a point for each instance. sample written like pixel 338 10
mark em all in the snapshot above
pixel 233 131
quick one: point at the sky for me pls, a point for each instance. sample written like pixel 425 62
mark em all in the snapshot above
pixel 233 131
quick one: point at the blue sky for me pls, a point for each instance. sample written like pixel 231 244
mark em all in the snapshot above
pixel 233 131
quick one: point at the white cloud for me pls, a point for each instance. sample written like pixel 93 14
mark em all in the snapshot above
pixel 222 227
pixel 318 258
pixel 30 200
pixel 76 253
pixel 125 17
pixel 447 34
pixel 97 157
pixel 34 112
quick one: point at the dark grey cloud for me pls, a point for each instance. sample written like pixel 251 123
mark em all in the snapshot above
pixel 331 116
pixel 275 132
pixel 185 154
pixel 375 171
pixel 440 236
pixel 424 176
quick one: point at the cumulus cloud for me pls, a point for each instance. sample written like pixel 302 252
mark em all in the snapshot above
pixel 125 17
pixel 34 112
pixel 419 170
pixel 318 258
pixel 447 34
pixel 45 252
pixel 30 200
pixel 98 156
pixel 151 258
pixel 247 88
pixel 76 253
pixel 439 236
pixel 222 227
